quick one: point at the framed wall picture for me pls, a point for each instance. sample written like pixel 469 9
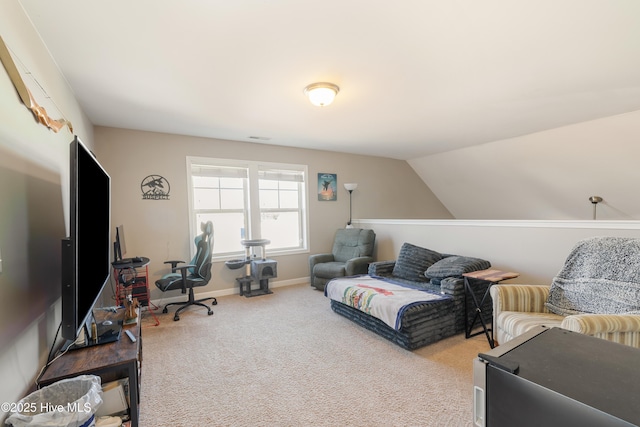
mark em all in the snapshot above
pixel 327 187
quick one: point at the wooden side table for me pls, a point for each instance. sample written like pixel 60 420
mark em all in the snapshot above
pixel 119 359
pixel 492 276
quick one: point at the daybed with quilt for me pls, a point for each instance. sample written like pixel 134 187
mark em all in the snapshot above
pixel 438 310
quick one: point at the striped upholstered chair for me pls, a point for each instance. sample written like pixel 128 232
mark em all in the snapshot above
pixel 596 293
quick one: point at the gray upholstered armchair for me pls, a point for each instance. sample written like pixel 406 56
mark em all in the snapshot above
pixel 351 254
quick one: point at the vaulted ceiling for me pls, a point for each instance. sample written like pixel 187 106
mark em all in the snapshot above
pixel 416 77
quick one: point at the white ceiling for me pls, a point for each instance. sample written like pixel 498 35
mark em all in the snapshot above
pixel 417 77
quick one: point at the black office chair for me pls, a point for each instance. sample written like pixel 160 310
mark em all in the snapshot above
pixel 187 277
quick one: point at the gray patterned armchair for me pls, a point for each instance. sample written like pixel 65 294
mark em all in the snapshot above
pixel 351 254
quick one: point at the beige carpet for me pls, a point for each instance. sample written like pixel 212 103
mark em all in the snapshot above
pixel 286 359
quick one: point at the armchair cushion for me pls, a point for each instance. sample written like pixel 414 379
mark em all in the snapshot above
pixel 455 266
pixel 413 261
pixel 601 275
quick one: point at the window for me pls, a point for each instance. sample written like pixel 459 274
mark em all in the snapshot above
pixel 249 200
pixel 281 216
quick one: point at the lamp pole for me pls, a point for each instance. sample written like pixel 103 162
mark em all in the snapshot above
pixel 350 186
pixel 595 200
pixel 350 191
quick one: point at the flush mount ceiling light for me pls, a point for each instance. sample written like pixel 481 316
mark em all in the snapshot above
pixel 321 94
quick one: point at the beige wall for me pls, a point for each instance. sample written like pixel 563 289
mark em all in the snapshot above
pixel 159 229
pixel 547 175
pixel 535 249
pixel 25 139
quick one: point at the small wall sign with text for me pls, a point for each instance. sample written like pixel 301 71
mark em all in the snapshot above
pixel 155 187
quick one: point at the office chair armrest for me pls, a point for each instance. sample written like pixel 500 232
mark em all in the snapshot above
pixel 173 264
pixel 184 268
pixel 183 271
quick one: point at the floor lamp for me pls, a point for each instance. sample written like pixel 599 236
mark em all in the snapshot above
pixel 595 200
pixel 350 187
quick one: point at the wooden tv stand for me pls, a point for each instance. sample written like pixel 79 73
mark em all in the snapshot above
pixel 112 361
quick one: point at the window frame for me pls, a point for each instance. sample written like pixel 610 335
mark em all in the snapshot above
pixel 252 209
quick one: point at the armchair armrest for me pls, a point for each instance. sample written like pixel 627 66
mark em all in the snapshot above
pixel 381 268
pixel 357 265
pixel 594 324
pixel 524 298
pixel 317 259
pixel 619 328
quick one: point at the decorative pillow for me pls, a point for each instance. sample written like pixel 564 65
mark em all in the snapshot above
pixel 455 266
pixel 413 261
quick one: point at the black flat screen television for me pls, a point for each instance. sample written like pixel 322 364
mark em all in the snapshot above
pixel 86 253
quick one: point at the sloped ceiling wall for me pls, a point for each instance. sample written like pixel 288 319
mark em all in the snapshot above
pixel 547 175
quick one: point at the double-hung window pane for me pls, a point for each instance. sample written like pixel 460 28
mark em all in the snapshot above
pixel 219 197
pixel 281 198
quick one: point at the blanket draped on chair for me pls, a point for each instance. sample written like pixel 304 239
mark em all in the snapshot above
pixel 601 275
pixel 378 297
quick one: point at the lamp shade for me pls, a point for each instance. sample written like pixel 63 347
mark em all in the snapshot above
pixel 350 186
pixel 321 94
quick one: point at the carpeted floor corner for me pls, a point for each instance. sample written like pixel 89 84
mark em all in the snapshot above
pixel 286 359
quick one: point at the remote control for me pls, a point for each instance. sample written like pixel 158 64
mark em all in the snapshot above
pixel 130 335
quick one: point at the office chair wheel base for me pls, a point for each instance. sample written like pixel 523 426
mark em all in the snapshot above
pixel 215 302
pixel 176 318
pixel 165 311
pixel 210 313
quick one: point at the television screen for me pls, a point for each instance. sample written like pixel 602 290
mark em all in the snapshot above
pixel 86 265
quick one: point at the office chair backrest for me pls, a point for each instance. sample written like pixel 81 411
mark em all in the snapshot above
pixel 202 258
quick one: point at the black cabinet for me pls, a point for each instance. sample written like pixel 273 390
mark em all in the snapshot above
pixel 554 377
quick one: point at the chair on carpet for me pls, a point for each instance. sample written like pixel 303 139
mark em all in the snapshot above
pixel 351 254
pixel 197 273
pixel 597 292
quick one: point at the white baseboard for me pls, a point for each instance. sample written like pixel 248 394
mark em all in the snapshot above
pixel 231 291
